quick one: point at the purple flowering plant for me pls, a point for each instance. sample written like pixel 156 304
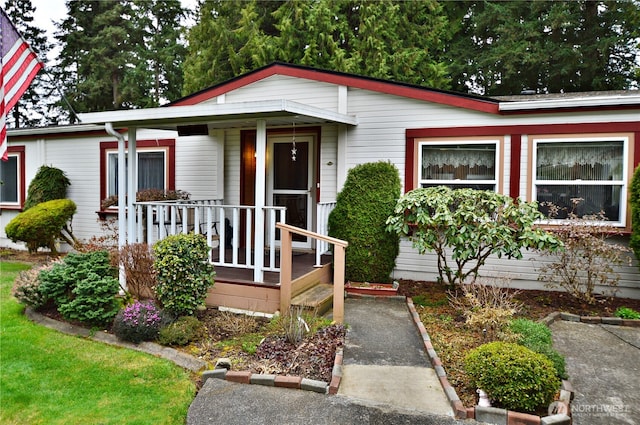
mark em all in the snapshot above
pixel 139 321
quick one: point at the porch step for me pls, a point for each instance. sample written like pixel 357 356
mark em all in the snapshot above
pixel 318 298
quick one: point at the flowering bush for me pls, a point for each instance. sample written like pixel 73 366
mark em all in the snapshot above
pixel 140 321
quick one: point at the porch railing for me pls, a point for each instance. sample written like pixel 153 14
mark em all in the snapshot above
pixel 322 228
pixel 286 232
pixel 218 222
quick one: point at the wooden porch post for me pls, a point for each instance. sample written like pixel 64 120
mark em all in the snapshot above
pixel 338 283
pixel 285 270
pixel 261 152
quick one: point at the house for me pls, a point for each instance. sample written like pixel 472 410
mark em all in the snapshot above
pixel 275 145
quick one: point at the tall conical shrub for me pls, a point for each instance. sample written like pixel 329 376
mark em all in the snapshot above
pixel 48 184
pixel 368 197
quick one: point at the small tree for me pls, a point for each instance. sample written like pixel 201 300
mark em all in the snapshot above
pixel 635 213
pixel 474 224
pixel 588 259
pixel 368 197
pixel 43 224
pixel 49 183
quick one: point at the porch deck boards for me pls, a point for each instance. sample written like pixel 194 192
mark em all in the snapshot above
pixel 303 263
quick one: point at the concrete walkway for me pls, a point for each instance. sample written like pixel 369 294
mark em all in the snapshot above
pixel 384 362
pixel 603 363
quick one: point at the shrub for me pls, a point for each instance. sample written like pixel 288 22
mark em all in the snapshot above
pixel 140 321
pixel 537 337
pixel 181 332
pixel 634 202
pixel 485 306
pixel 513 376
pixel 366 200
pixel 26 287
pixel 474 224
pixel 183 272
pixel 626 313
pixel 83 287
pixel 41 225
pixel 587 260
pixel 48 184
pixel 137 261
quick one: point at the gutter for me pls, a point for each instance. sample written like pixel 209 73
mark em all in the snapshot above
pixel 582 102
pixel 122 188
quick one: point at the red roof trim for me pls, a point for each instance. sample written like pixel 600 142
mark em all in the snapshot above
pixel 524 129
pixel 396 89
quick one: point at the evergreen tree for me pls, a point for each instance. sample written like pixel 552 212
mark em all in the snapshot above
pixel 399 40
pixel 31 109
pixel 121 54
pixel 502 48
pixel 157 77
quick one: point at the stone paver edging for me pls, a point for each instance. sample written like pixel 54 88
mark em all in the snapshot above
pixel 491 414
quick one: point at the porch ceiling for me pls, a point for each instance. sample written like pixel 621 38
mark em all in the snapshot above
pixel 224 115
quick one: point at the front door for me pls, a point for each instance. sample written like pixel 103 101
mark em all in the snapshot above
pixel 290 181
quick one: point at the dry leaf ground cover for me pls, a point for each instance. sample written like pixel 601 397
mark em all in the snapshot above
pixel 452 338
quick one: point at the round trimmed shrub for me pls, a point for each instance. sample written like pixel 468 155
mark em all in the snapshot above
pixel 139 321
pixel 183 272
pixel 366 201
pixel 42 224
pixel 513 376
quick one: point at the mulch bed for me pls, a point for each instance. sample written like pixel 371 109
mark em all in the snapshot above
pixel 452 338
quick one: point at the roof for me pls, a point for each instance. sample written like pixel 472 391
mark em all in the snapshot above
pixel 555 101
pixel 445 97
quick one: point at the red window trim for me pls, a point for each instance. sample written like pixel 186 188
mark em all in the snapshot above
pixel 20 150
pixel 170 144
pixel 516 133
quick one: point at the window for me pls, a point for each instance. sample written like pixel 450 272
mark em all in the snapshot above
pixel 156 166
pixel 151 170
pixel 463 164
pixel 592 170
pixel 12 178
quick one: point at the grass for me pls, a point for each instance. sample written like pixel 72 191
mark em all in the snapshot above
pixel 50 378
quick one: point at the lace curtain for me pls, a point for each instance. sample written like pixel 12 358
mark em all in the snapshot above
pixel 570 154
pixel 442 156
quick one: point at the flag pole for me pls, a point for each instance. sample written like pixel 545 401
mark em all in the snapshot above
pixel 74 115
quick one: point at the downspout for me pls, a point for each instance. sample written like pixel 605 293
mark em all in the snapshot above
pixel 122 191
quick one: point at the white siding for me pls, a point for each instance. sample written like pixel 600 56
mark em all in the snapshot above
pixel 197 166
pixel 232 168
pixel 314 93
pixel 328 163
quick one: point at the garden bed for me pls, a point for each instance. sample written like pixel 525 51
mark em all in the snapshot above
pixel 452 338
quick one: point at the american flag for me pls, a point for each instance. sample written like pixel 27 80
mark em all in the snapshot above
pixel 19 67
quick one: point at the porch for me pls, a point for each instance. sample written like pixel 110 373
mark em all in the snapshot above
pixel 265 277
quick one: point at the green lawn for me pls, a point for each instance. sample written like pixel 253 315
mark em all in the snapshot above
pixel 50 378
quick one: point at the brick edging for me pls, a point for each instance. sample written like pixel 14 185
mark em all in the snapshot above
pixel 487 414
pixel 281 381
pixel 595 320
